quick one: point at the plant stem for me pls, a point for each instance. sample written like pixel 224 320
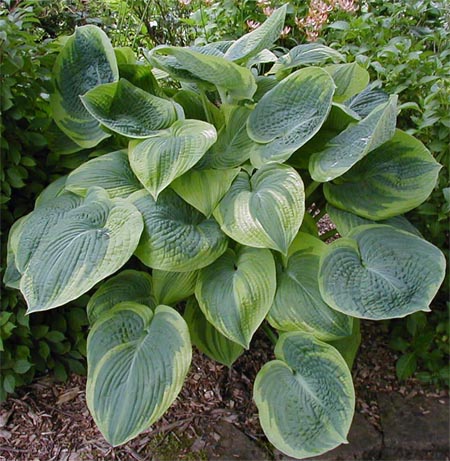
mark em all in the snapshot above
pixel 311 188
pixel 270 334
pixel 320 215
pixel 328 234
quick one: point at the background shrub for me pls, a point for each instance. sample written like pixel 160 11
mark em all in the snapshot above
pixel 29 345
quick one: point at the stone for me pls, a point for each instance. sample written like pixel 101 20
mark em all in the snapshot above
pixel 365 442
pixel 233 444
pixel 419 424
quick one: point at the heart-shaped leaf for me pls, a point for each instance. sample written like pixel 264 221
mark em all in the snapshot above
pixel 111 172
pixel 39 224
pixel 263 211
pixel 204 189
pixel 393 179
pixel 207 339
pixel 85 246
pixel 290 114
pixel 263 37
pixel 380 272
pixel 346 221
pixel 187 64
pixel 298 304
pixel 137 363
pixel 157 161
pixel 236 292
pixel 141 76
pixel 128 285
pixel 305 398
pixel 176 236
pixel 172 287
pixel 86 61
pixel 128 110
pixel 350 79
pixel 354 143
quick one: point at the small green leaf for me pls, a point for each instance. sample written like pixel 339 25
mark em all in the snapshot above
pixel 406 366
pixel 21 366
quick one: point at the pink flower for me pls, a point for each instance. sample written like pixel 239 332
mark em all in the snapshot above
pixel 252 25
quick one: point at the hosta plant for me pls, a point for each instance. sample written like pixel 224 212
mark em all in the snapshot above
pixel 205 163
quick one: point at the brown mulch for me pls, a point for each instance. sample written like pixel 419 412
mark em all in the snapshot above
pixel 49 421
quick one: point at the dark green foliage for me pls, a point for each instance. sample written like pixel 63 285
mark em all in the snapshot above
pixel 46 342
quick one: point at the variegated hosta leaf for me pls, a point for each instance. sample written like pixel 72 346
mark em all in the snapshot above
pixel 380 272
pixel 209 340
pixel 307 53
pixel 290 114
pixel 39 225
pixel 233 146
pixel 12 276
pixel 263 37
pixel 172 287
pixel 111 172
pixel 305 398
pixel 391 180
pixel 354 143
pixel 186 64
pixel 53 190
pixel 298 304
pixel 236 291
pixel 85 246
pixel 176 236
pixel 264 211
pixel 365 102
pixel 137 363
pixel 204 189
pixel 128 110
pixel 157 161
pixel 350 79
pixel 346 221
pixel 128 285
pixel 86 61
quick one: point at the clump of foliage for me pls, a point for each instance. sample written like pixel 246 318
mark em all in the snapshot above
pixel 44 342
pixel 405 45
pixel 208 172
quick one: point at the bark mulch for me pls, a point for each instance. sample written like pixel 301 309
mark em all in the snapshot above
pixel 49 421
